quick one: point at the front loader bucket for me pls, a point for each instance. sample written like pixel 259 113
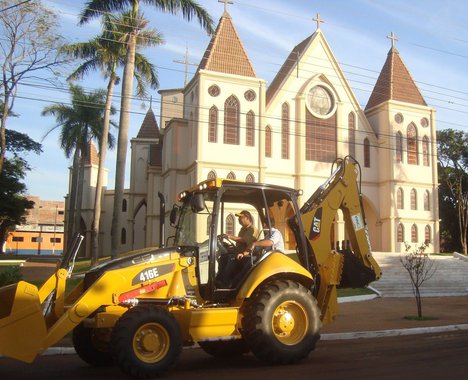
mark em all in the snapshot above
pixel 22 325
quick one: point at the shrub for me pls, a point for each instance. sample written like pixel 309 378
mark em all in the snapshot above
pixel 10 275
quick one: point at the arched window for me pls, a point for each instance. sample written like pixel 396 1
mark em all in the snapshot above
pixel 250 178
pixel 320 138
pixel 414 199
pixel 250 131
pixel 352 134
pixel 414 233
pixel 230 224
pixel 412 141
pixel 211 175
pixel 231 121
pixel 191 128
pixel 268 141
pixel 400 199
pixel 427 203
pixel 366 153
pixel 427 234
pixel 400 233
pixel 124 205
pixel 123 236
pixel 213 125
pixel 399 147
pixel 285 131
pixel 231 175
pixel 425 150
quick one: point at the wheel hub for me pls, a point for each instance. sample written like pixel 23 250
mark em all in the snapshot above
pixel 151 342
pixel 290 322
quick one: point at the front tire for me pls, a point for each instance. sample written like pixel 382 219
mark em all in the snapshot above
pixel 281 322
pixel 92 345
pixel 146 341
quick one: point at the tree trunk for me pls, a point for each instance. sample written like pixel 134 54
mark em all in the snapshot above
pixel 79 194
pixel 122 143
pixel 2 131
pixel 100 178
pixel 72 200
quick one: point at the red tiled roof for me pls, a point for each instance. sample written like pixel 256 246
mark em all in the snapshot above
pixel 92 156
pixel 395 83
pixel 225 52
pixel 149 128
pixel 287 67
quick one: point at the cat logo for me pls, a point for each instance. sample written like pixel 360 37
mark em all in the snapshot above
pixel 315 229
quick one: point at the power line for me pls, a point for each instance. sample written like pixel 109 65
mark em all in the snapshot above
pixel 14 6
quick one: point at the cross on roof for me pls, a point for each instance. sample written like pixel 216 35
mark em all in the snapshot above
pixel 318 20
pixel 393 38
pixel 226 2
pixel 186 63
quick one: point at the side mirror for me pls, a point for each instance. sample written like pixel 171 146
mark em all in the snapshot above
pixel 197 203
pixel 174 216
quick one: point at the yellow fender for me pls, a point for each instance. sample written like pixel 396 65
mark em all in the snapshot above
pixel 273 264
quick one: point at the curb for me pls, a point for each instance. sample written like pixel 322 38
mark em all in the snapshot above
pixel 329 337
pixel 390 333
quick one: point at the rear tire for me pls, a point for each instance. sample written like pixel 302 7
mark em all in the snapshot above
pixel 91 346
pixel 146 341
pixel 281 322
pixel 225 348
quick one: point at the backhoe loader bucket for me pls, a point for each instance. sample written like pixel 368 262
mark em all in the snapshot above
pixel 22 325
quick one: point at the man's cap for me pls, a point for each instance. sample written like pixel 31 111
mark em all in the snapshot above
pixel 245 213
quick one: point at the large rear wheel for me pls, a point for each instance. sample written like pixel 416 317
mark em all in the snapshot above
pixel 92 345
pixel 281 322
pixel 146 341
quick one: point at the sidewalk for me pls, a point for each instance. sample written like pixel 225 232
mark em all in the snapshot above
pixel 381 315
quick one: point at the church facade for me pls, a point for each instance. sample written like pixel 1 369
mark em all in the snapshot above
pixel 227 122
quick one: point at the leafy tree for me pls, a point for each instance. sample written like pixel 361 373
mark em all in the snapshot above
pixel 29 45
pixel 95 8
pixel 453 174
pixel 105 53
pixel 13 204
pixel 79 123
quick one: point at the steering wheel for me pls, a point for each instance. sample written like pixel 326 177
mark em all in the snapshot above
pixel 225 244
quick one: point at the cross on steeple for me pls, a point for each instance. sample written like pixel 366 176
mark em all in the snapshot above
pixel 393 38
pixel 186 63
pixel 318 20
pixel 226 2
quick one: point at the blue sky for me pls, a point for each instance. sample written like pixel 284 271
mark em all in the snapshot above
pixel 433 42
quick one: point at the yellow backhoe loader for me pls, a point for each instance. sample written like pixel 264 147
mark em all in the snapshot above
pixel 139 310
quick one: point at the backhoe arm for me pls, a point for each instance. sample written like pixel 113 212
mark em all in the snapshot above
pixel 353 264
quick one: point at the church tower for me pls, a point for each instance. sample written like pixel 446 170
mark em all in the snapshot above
pixel 144 156
pixel 406 131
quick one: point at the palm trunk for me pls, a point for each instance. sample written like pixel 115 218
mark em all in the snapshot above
pixel 72 200
pixel 100 178
pixel 79 194
pixel 122 143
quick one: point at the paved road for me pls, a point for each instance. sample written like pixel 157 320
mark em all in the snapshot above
pixel 431 356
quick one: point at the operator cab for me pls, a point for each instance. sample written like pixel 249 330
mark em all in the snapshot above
pixel 207 214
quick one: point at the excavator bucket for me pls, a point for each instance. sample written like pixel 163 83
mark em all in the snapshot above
pixel 22 324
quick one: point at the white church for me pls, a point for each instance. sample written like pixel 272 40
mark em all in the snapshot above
pixel 229 123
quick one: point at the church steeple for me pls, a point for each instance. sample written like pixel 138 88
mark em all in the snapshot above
pixel 225 52
pixel 395 82
pixel 149 128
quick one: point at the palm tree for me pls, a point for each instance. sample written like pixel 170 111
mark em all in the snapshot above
pixel 106 53
pixel 80 123
pixel 95 8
